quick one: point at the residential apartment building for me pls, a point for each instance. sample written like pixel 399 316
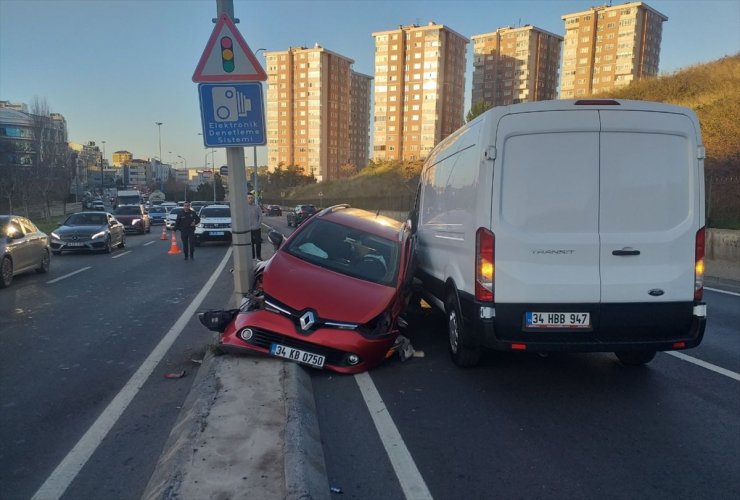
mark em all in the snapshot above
pixel 512 65
pixel 359 119
pixel 608 47
pixel 309 110
pixel 419 89
pixel 121 158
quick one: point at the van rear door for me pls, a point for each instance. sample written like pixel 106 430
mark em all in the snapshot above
pixel 649 206
pixel 545 208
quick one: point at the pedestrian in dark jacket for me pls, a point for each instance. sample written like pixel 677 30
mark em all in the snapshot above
pixel 185 223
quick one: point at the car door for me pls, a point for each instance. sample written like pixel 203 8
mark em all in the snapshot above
pixel 19 246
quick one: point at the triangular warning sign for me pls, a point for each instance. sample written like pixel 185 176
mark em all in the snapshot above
pixel 227 57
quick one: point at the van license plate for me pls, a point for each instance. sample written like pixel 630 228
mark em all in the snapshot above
pixel 558 320
pixel 292 354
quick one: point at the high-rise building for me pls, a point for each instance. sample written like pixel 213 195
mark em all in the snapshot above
pixel 608 47
pixel 309 110
pixel 512 65
pixel 419 89
pixel 359 119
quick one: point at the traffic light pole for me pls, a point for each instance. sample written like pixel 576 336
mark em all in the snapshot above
pixel 237 182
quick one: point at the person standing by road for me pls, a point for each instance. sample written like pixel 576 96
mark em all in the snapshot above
pixel 254 216
pixel 186 222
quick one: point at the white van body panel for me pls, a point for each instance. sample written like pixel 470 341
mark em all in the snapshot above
pixel 650 202
pixel 546 216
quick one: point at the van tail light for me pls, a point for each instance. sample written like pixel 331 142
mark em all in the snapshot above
pixel 484 265
pixel 699 265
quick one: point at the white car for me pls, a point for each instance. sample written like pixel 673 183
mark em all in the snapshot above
pixel 215 224
pixel 169 222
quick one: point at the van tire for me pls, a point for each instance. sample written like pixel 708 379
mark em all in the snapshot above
pixel 635 358
pixel 457 335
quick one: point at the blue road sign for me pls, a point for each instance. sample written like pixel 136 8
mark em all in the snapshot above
pixel 233 114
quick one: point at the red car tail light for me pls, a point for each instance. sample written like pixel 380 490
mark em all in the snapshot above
pixel 699 265
pixel 484 265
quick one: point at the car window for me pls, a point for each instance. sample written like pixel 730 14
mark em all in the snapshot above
pixel 348 251
pixel 215 212
pixel 14 229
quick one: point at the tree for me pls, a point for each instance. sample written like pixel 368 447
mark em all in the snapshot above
pixel 478 108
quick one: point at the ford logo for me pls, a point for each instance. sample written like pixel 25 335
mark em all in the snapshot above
pixel 656 292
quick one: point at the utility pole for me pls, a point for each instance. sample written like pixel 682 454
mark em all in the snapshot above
pixel 161 166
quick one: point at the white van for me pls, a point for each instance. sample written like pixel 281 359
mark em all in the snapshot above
pixel 566 226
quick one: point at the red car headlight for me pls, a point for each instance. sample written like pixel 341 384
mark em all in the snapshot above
pixel 378 327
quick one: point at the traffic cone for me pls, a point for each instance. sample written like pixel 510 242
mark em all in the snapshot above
pixel 164 233
pixel 174 249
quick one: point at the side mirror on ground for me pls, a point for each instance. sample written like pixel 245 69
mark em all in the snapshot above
pixel 276 238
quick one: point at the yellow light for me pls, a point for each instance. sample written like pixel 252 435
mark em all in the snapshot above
pixel 227 54
pixel 699 268
pixel 486 269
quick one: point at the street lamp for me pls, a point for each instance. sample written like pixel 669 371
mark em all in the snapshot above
pixel 102 175
pixel 187 172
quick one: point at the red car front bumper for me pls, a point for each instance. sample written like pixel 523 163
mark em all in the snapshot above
pixel 258 330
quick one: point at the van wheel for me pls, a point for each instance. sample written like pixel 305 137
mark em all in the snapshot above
pixel 635 358
pixel 457 336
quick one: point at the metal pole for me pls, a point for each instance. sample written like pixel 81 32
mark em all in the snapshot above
pixel 256 182
pixel 237 190
pixel 161 176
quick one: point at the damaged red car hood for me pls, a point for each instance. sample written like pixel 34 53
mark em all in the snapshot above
pixel 302 285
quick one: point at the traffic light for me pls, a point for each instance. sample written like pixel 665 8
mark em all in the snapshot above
pixel 227 54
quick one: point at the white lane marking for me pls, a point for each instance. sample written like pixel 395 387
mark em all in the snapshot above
pixel 408 474
pixel 121 254
pixel 150 243
pixel 722 291
pixel 59 480
pixel 68 275
pixel 704 364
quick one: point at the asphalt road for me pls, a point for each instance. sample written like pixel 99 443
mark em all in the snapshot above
pixel 525 426
pixel 73 338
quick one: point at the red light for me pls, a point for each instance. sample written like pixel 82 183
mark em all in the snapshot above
pixel 597 102
pixel 519 347
pixel 485 269
pixel 679 345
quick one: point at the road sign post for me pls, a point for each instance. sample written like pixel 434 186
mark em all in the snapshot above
pixel 232 112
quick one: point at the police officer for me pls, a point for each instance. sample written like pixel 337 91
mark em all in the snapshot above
pixel 185 223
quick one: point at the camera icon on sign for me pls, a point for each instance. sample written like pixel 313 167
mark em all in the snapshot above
pixel 229 104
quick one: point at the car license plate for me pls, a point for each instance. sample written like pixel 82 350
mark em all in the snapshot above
pixel 307 358
pixel 76 244
pixel 216 233
pixel 558 320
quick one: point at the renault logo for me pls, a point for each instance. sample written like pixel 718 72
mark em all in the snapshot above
pixel 307 320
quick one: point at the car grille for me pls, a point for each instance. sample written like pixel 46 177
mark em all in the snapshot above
pixel 264 339
pixel 216 225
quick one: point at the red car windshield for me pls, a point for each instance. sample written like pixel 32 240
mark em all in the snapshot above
pixel 347 250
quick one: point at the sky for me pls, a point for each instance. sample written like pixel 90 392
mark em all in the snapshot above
pixel 113 68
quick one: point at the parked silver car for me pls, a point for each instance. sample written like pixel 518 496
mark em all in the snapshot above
pixel 23 247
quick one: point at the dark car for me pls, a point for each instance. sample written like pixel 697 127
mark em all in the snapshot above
pixel 273 210
pixel 134 218
pixel 331 295
pixel 157 214
pixel 91 231
pixel 22 248
pixel 300 214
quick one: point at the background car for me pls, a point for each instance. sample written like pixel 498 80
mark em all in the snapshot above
pixel 157 214
pixel 197 205
pixel 97 205
pixel 172 217
pixel 134 218
pixel 332 293
pixel 300 214
pixel 273 210
pixel 88 231
pixel 215 224
pixel 23 247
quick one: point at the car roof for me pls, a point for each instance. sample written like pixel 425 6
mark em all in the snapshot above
pixel 363 220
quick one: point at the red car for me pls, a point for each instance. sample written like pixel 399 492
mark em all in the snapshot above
pixel 332 294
